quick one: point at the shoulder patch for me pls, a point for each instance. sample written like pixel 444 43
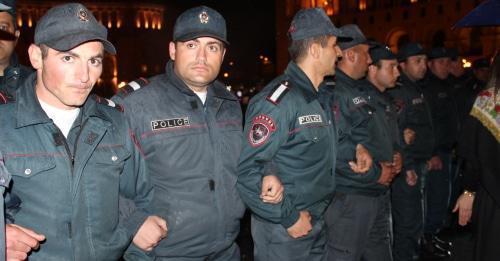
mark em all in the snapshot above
pixel 260 130
pixel 6 97
pixel 399 104
pixel 279 92
pixel 132 87
pixel 108 102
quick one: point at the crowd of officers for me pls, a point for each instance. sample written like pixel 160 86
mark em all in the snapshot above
pixel 348 155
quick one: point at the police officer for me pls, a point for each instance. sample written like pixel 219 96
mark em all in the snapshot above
pixel 382 75
pixel 4 174
pixel 363 231
pixel 458 75
pixel 69 154
pixel 415 123
pixel 188 126
pixel 288 130
pixel 445 120
pixel 12 74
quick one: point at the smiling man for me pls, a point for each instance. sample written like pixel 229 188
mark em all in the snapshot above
pixel 70 155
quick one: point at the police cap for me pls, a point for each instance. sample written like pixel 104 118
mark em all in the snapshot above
pixel 8 6
pixel 201 21
pixel 438 52
pixel 355 36
pixel 381 52
pixel 312 22
pixel 66 26
pixel 409 50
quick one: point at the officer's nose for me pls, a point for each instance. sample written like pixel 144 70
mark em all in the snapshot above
pixel 338 52
pixel 396 72
pixel 201 55
pixel 369 59
pixel 83 73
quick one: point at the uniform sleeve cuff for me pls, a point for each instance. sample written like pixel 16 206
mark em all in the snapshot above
pixel 134 221
pixel 291 219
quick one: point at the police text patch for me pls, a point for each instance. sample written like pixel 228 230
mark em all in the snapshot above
pixel 170 123
pixel 260 130
pixel 307 119
pixel 358 100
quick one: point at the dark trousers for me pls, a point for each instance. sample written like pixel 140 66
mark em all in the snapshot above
pixel 272 242
pixel 437 195
pixel 231 253
pixel 358 228
pixel 407 215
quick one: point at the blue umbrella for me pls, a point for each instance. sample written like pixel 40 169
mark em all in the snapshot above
pixel 485 14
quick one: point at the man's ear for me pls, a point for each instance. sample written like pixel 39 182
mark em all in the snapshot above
pixel 315 50
pixel 171 50
pixel 350 55
pixel 17 33
pixel 35 55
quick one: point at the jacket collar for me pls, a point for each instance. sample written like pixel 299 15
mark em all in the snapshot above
pixel 301 81
pixel 403 78
pixel 28 110
pixel 215 89
pixel 13 68
pixel 340 76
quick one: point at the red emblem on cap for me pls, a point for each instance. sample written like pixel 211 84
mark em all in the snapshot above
pixel 261 129
pixel 291 29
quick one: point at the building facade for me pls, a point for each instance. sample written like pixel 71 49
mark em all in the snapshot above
pixel 395 22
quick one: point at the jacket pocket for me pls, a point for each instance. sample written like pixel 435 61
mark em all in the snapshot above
pixel 316 133
pixel 111 158
pixel 28 167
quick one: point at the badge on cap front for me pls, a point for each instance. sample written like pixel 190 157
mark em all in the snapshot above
pixel 83 15
pixel 204 17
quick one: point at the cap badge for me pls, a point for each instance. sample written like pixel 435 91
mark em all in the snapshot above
pixel 83 15
pixel 204 17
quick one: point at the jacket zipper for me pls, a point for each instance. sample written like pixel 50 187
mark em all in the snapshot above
pixel 72 160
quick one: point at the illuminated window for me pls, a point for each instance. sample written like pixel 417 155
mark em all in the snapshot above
pixel 362 5
pixel 137 23
pixel 19 20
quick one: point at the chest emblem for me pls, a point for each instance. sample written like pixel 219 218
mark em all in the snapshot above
pixel 260 130
pixel 170 123
pixel 308 119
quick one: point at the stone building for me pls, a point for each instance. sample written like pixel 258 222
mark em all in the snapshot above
pixel 395 22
